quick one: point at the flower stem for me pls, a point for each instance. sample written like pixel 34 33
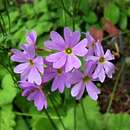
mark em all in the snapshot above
pixel 114 88
pixel 51 121
pixel 84 114
pixel 75 116
pixel 106 118
pixel 58 114
pixel 65 9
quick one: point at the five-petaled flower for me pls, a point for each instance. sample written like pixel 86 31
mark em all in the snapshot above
pixel 84 81
pixel 104 66
pixel 61 79
pixel 68 49
pixel 31 65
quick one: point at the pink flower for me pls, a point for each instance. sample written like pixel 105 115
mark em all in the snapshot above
pixel 67 50
pixel 84 81
pixel 31 65
pixel 104 66
pixel 34 93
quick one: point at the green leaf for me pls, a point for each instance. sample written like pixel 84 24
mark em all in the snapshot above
pixel 8 91
pixel 128 11
pixel 112 13
pixel 7 118
pixel 118 121
pixel 93 116
pixel 91 17
pixel 123 21
pixel 21 124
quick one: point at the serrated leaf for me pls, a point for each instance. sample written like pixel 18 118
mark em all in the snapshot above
pixel 7 118
pixel 112 13
pixel 8 91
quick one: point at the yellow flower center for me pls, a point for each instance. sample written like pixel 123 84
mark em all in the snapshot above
pixel 59 71
pixel 86 79
pixel 93 45
pixel 102 60
pixel 31 62
pixel 68 51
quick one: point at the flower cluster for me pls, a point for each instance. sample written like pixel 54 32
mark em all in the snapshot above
pixel 63 67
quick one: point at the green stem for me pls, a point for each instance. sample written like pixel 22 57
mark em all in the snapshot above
pixel 84 114
pixel 51 121
pixel 106 118
pixel 58 114
pixel 75 116
pixel 65 9
pixel 114 88
pixel 32 115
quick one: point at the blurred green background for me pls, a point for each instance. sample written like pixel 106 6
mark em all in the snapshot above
pixel 107 20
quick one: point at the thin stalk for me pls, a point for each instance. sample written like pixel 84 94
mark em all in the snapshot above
pixel 58 114
pixel 84 114
pixel 51 121
pixel 65 9
pixel 106 118
pixel 73 26
pixel 114 88
pixel 75 116
pixel 31 115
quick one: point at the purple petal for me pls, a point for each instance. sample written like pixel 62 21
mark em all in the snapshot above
pixel 53 46
pixel 60 63
pixel 26 92
pixel 18 56
pixel 55 37
pixel 55 57
pixel 34 76
pixel 76 89
pixel 99 49
pixel 76 76
pixel 39 64
pixel 92 90
pixel 72 62
pixel 24 75
pixel 48 77
pixel 49 74
pixel 109 69
pixel 21 67
pixel 81 92
pixel 31 37
pixel 58 83
pixel 92 58
pixel 32 96
pixel 71 38
pixel 25 84
pixel 89 38
pixel 99 73
pixel 89 68
pixel 108 55
pixel 40 101
pixel 80 48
